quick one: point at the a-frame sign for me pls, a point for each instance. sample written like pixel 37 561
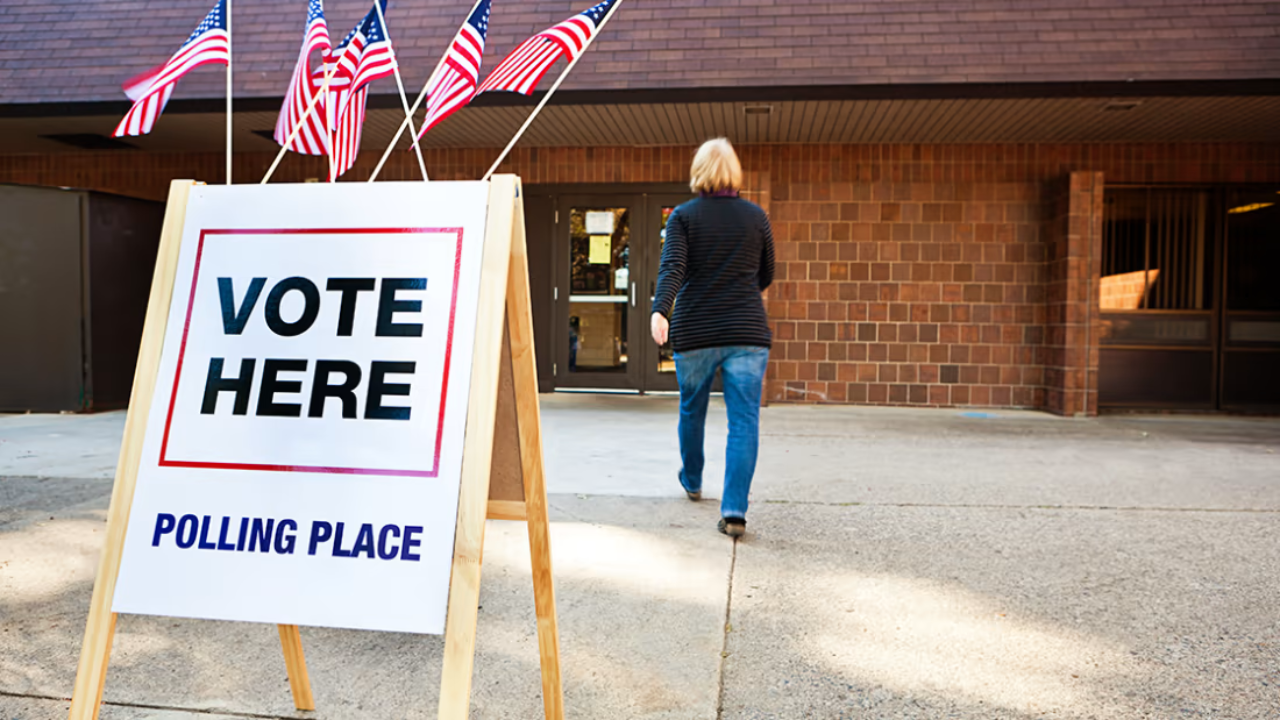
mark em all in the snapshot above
pixel 336 387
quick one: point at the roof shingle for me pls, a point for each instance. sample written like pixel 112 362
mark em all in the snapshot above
pixel 81 50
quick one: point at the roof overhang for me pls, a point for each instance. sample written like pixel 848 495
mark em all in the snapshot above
pixel 1218 111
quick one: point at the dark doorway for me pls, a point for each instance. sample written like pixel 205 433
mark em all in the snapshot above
pixel 1191 318
pixel 1251 322
pixel 600 248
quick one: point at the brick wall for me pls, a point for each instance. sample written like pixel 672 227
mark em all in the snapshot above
pixel 908 274
pixel 910 292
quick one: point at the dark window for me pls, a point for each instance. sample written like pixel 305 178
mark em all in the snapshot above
pixel 1253 251
pixel 1155 250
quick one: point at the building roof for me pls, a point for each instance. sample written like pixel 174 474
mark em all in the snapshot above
pixel 79 51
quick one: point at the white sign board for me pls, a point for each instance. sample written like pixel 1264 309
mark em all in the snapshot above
pixel 303 451
pixel 600 222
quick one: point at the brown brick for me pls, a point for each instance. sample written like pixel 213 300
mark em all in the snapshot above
pixel 856 392
pixel 939 395
pixel 877 393
pixel 1021 309
pixel 898 394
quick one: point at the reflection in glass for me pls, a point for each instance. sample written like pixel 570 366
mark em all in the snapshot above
pixel 599 289
pixel 1155 250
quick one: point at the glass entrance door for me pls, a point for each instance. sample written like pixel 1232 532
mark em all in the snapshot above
pixel 660 366
pixel 596 294
pixel 608 253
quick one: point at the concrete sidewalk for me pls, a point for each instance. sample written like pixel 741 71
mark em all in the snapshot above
pixel 899 564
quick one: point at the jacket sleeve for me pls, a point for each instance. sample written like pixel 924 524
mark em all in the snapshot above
pixel 671 271
pixel 766 254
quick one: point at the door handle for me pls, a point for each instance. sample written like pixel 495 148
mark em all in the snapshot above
pixel 633 294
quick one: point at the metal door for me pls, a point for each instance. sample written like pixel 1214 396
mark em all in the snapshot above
pixel 596 293
pixel 1250 328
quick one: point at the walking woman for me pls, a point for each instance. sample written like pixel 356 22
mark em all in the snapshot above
pixel 717 258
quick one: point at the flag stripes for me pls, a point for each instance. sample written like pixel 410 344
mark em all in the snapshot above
pixel 572 34
pixel 363 56
pixel 312 137
pixel 525 67
pixel 454 86
pixel 208 44
pixel 347 124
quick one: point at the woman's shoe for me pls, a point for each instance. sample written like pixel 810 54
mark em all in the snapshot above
pixel 733 527
pixel 694 496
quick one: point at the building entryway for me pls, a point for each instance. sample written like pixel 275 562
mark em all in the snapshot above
pixel 604 244
pixel 1190 299
pixel 610 248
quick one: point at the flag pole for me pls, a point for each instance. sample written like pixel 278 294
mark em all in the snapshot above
pixel 552 91
pixel 332 115
pixel 421 96
pixel 324 90
pixel 229 56
pixel 405 123
pixel 404 100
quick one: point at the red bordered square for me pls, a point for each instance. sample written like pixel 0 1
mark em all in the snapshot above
pixel 165 461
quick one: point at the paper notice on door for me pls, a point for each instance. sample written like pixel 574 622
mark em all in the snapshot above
pixel 600 223
pixel 601 250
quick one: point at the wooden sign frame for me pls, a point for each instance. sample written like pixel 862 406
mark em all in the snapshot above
pixel 502 467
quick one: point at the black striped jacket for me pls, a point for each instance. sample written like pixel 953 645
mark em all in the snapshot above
pixel 717 258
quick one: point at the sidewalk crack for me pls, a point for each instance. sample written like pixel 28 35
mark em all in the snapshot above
pixel 146 706
pixel 728 624
pixel 1000 506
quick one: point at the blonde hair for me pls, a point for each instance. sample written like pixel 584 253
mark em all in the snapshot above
pixel 715 167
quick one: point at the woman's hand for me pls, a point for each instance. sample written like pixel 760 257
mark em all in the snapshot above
pixel 658 326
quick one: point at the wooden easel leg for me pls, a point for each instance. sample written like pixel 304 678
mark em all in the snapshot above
pixel 544 599
pixel 92 673
pixel 296 664
pixel 477 456
pixel 100 629
pixel 528 415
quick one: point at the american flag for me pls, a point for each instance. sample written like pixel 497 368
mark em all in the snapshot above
pixel 455 84
pixel 208 44
pixel 363 56
pixel 346 118
pixel 312 138
pixel 525 66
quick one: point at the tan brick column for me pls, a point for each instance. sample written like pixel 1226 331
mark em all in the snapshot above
pixel 1073 238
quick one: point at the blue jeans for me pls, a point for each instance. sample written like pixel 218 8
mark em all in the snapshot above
pixel 742 370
